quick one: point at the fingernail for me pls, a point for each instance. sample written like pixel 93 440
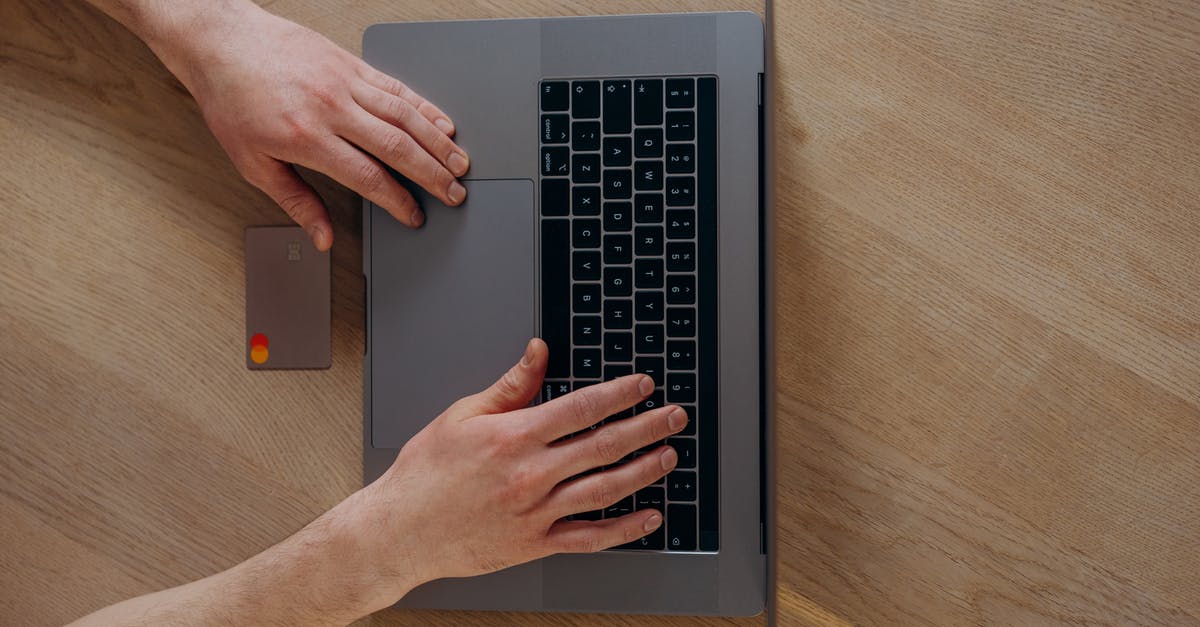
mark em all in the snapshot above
pixel 652 522
pixel 444 125
pixel 676 419
pixel 417 218
pixel 646 386
pixel 528 357
pixel 456 192
pixel 668 459
pixel 457 163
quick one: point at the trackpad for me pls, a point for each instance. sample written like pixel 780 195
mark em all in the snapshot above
pixel 452 304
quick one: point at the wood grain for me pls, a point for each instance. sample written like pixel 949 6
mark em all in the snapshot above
pixel 988 318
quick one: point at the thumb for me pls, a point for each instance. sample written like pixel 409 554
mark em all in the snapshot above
pixel 297 198
pixel 518 386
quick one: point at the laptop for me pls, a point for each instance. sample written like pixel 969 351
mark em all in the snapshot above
pixel 615 209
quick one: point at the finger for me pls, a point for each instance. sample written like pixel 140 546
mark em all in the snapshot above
pixel 399 113
pixel 350 167
pixel 581 536
pixel 602 489
pixel 396 88
pixel 615 440
pixel 518 386
pixel 583 408
pixel 296 197
pixel 398 149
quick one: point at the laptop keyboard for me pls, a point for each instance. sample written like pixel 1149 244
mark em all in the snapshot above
pixel 628 184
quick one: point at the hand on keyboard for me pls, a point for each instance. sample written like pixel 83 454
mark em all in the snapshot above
pixel 275 93
pixel 489 483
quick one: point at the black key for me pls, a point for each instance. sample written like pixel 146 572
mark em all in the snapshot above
pixel 586 298
pixel 556 96
pixel 681 527
pixel 649 498
pixel 681 486
pixel 618 281
pixel 592 515
pixel 681 223
pixel 690 427
pixel 618 313
pixel 681 288
pixel 587 363
pixel 681 158
pixel 648 143
pixel 618 184
pixel 586 265
pixel 686 448
pixel 618 345
pixel 556 197
pixel 681 322
pixel 648 208
pixel 620 508
pixel 586 332
pixel 585 200
pixel 652 366
pixel 585 169
pixel 648 175
pixel 681 354
pixel 585 136
pixel 649 308
pixel 706 228
pixel 681 257
pixel 556 129
pixel 654 401
pixel 556 161
pixel 648 338
pixel 585 233
pixel 648 274
pixel 618 248
pixel 648 241
pixel 681 191
pixel 681 386
pixel 618 152
pixel 556 296
pixel 616 371
pixel 554 389
pixel 617 216
pixel 680 93
pixel 680 126
pixel 647 101
pixel 617 114
pixel 585 99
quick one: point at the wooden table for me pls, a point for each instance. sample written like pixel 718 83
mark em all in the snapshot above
pixel 988 281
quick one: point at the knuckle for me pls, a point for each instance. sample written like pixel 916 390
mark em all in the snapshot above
pixel 607 445
pixel 601 494
pixel 588 543
pixel 294 205
pixel 399 147
pixel 584 407
pixel 510 384
pixel 441 177
pixel 370 177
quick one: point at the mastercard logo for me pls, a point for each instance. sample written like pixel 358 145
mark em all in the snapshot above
pixel 258 348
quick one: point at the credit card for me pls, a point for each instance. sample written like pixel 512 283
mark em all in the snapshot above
pixel 287 300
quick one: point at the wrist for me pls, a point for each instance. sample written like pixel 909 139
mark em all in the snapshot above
pixel 188 36
pixel 339 568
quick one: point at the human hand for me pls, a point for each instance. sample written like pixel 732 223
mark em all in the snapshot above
pixel 275 93
pixel 485 485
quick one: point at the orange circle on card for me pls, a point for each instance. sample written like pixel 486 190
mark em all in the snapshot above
pixel 258 340
pixel 258 354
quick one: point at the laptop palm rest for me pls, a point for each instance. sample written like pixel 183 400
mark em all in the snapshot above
pixel 452 303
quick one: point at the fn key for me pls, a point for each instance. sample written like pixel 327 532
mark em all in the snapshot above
pixel 681 527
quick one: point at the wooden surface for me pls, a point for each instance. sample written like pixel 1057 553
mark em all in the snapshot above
pixel 988 281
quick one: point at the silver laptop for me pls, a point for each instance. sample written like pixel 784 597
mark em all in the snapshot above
pixel 614 209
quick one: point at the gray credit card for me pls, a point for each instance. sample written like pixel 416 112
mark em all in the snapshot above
pixel 287 300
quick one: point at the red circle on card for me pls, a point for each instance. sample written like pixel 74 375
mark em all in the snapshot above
pixel 258 340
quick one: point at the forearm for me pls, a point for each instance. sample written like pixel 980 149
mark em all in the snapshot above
pixel 329 573
pixel 183 33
